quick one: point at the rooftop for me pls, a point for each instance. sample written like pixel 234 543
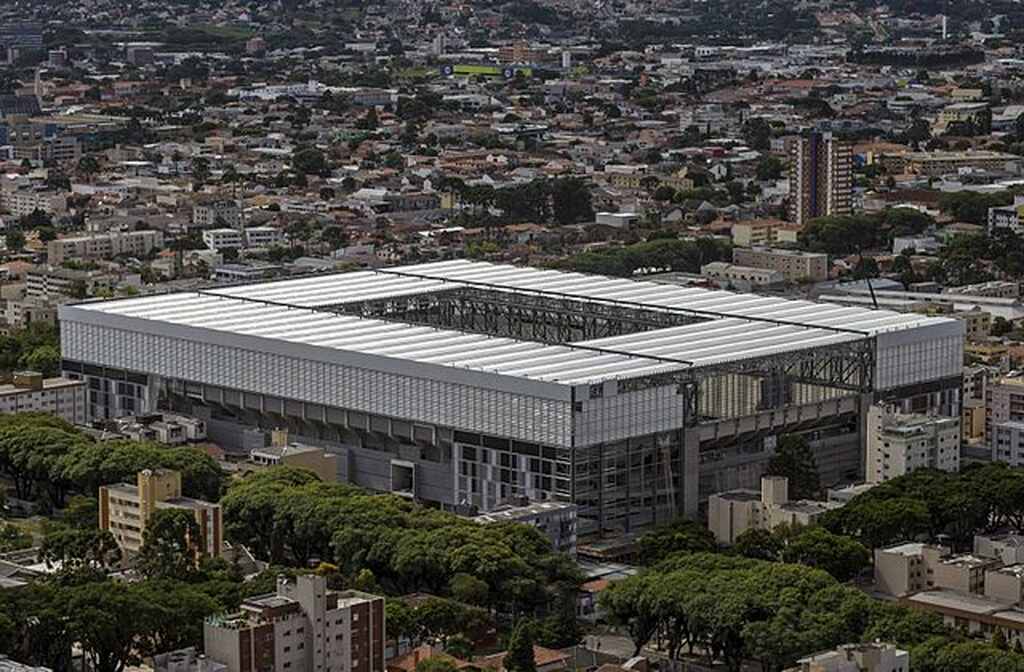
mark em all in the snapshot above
pixel 723 327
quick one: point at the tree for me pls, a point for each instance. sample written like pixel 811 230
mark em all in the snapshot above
pixel 571 201
pixel 88 166
pixel 680 536
pixel 169 544
pixel 758 544
pixel 436 663
pixel 842 557
pixel 794 459
pixel 310 161
pixel 629 605
pixel 469 589
pixel 108 619
pixel 74 549
pixel 200 170
pixel 769 168
pixel 369 121
pixel 757 134
pixel 14 240
pixel 519 656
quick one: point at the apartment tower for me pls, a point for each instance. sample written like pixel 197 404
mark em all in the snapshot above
pixel 821 181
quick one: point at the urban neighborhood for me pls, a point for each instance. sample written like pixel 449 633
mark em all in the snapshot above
pixel 511 336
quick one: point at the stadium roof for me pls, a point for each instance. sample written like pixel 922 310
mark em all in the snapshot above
pixel 735 326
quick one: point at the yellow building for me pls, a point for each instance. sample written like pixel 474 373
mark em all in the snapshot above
pixel 125 509
pixel 764 233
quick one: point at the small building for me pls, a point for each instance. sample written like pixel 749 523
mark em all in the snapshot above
pixel 741 277
pixel 764 233
pixel 217 214
pixel 282 452
pixel 186 660
pixel 126 508
pixel 223 239
pixel 557 520
pixel 1008 547
pixel 796 265
pixel 906 568
pixel 873 657
pixel 29 392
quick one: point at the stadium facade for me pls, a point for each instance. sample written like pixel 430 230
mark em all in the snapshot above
pixel 465 382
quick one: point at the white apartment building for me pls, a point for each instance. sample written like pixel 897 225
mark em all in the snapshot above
pixel 222 239
pixel 104 245
pixel 31 393
pixel 263 236
pixel 21 202
pixel 257 236
pixel 1007 442
pixel 899 444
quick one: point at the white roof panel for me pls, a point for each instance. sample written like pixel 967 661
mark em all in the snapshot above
pixel 736 326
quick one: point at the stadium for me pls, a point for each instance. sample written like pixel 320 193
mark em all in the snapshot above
pixel 469 383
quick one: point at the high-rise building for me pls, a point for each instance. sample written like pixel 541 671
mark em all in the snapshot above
pixel 821 179
pixel 303 627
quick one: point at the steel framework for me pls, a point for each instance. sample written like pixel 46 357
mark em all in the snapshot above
pixel 534 317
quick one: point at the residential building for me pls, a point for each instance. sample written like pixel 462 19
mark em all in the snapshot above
pixel 1008 217
pixel 741 277
pixel 217 214
pixel 126 508
pixel 544 660
pixel 764 233
pixel 25 201
pixel 166 428
pixel 939 163
pixel 976 615
pixel 223 239
pixel 1008 547
pixel 821 178
pixel 282 452
pixel 796 265
pixel 48 282
pixel 261 236
pixel 732 513
pixel 1004 400
pixel 618 220
pixel 303 627
pixel 1007 442
pixel 977 322
pixel 907 568
pixel 186 660
pixel 29 392
pixel 626 176
pixel 965 113
pixel 557 520
pixel 899 444
pixel 973 420
pixel 19 313
pixel 104 246
pixel 872 657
